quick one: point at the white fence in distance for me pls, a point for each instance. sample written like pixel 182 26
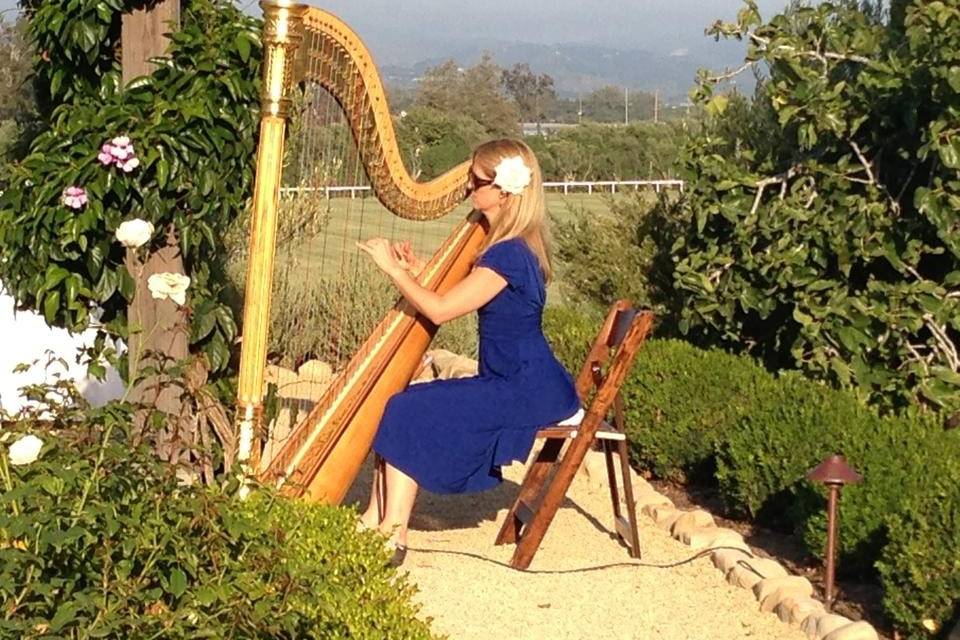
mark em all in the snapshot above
pixel 600 186
pixel 613 186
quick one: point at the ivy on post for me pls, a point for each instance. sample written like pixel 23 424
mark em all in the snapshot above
pixel 121 199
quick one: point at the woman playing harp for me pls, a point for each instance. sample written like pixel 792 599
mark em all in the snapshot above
pixel 452 436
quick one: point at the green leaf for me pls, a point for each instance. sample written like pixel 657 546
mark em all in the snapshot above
pixel 950 153
pixel 953 78
pixel 51 306
pixel 802 317
pixel 55 275
pixel 127 285
pixel 243 46
pixel 178 582
pixel 65 613
pixel 204 320
pixel 163 172
pixel 206 596
pixel 226 322
pixel 717 105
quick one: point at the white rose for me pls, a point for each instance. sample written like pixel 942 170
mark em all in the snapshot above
pixel 25 450
pixel 512 175
pixel 134 233
pixel 169 285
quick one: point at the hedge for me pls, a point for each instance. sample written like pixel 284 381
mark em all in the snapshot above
pixel 100 539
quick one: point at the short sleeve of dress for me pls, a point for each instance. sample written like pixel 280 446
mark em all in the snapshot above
pixel 505 258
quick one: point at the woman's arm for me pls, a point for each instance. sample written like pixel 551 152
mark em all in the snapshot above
pixel 468 295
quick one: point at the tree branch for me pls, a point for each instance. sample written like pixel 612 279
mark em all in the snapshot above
pixel 822 57
pixel 946 346
pixel 729 74
pixel 919 358
pixel 864 162
pixel 766 182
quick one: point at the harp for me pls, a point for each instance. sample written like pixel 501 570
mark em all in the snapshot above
pixel 314 65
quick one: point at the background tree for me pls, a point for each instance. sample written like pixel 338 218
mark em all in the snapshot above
pixel 606 104
pixel 432 141
pixel 594 151
pixel 533 94
pixel 821 226
pixel 475 92
pixel 16 95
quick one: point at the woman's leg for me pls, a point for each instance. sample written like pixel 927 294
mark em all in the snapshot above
pixel 401 494
pixel 374 514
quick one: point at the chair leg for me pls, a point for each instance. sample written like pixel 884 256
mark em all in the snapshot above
pixel 631 505
pixel 530 489
pixel 548 504
pixel 611 480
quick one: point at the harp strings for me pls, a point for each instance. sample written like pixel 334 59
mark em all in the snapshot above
pixel 328 298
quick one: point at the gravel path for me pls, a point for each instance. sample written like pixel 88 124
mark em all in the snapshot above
pixel 469 597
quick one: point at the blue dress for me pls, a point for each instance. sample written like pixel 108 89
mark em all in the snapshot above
pixel 452 436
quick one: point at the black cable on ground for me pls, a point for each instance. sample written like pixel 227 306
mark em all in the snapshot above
pixel 612 565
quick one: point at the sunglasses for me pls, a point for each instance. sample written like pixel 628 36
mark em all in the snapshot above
pixel 475 182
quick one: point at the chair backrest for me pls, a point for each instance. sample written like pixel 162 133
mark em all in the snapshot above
pixel 623 332
pixel 608 342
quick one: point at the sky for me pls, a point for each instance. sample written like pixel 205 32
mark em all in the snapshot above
pixel 660 26
pixel 656 25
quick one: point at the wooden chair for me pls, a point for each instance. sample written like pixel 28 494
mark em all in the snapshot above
pixel 550 475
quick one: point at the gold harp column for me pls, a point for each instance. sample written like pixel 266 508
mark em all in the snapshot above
pixel 283 32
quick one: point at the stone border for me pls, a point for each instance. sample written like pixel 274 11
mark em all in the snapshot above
pixel 789 597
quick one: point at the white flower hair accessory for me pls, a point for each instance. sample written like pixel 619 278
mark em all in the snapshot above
pixel 512 175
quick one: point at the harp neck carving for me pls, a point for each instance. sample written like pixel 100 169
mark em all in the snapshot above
pixel 318 47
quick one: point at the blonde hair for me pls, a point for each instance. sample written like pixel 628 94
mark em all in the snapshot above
pixel 521 215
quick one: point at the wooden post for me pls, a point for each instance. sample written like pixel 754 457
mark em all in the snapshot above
pixel 142 35
pixel 157 327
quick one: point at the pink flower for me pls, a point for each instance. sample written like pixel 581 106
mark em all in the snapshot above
pixel 119 152
pixel 106 155
pixel 130 164
pixel 74 197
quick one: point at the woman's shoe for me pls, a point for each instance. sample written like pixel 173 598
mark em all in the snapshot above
pixel 397 552
pixel 399 555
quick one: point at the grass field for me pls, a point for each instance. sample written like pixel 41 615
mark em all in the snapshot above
pixel 348 221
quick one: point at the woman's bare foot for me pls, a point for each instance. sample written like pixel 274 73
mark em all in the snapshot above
pixel 367 522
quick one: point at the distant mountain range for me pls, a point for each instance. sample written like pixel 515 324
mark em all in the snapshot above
pixel 582 68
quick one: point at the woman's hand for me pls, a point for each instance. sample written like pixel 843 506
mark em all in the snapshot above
pixel 407 259
pixel 383 256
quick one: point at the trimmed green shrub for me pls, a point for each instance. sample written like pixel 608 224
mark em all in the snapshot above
pixel 98 539
pixel 795 423
pixel 680 401
pixel 920 566
pixel 570 332
pixel 346 589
